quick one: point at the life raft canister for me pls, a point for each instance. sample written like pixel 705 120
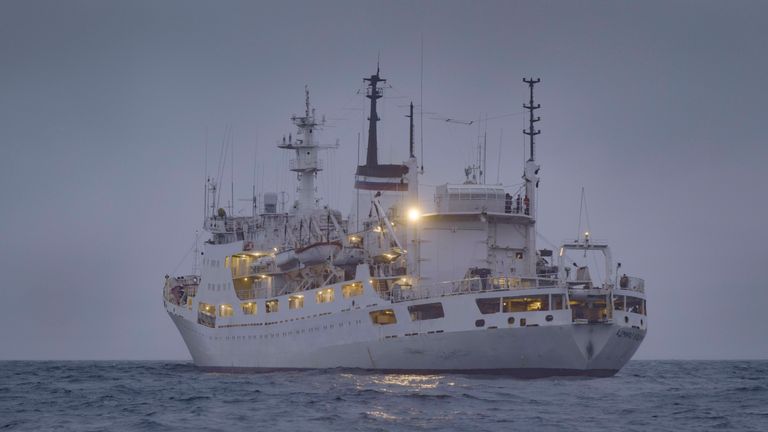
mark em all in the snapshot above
pixel 624 281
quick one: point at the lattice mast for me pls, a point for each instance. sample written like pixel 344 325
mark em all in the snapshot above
pixel 306 164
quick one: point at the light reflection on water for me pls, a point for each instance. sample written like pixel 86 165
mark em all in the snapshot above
pixel 381 415
pixel 414 382
pixel 397 383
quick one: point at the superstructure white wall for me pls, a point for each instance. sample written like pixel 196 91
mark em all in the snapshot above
pixel 450 247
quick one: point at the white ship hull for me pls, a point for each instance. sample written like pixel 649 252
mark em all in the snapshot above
pixel 349 339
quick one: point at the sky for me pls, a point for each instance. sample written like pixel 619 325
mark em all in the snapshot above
pixel 112 113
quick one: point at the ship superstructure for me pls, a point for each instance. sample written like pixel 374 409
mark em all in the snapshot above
pixel 394 287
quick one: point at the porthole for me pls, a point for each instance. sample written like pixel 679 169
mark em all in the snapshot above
pixel 549 318
pixel 511 320
pixel 480 323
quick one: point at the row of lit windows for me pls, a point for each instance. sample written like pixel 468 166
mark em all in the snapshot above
pixel 294 302
pixel 427 311
pixel 529 303
pixel 421 312
pixel 325 327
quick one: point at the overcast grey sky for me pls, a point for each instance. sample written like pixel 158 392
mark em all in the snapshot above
pixel 657 108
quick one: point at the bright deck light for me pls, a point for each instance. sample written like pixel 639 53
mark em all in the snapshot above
pixel 414 214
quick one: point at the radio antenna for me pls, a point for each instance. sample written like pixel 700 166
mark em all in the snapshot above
pixel 531 132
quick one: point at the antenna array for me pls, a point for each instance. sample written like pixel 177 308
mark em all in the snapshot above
pixel 531 132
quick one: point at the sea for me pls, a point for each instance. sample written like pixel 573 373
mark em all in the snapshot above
pixel 177 396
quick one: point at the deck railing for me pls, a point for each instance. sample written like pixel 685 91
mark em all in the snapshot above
pixel 632 283
pixel 399 293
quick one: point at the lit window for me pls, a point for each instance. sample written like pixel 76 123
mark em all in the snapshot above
pixel 352 290
pixel 249 308
pixel 296 302
pixel 383 317
pixel 206 315
pixel 324 295
pixel 271 306
pixel 207 309
pixel 226 310
pixel 525 304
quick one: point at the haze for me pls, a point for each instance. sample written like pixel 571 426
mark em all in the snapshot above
pixel 656 108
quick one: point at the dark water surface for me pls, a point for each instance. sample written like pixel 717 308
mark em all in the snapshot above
pixel 160 396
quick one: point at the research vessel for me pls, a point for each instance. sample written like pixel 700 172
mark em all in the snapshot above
pixel 400 283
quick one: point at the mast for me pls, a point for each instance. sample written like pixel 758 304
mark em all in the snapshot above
pixel 413 205
pixel 531 178
pixel 531 132
pixel 373 93
pixel 410 139
pixel 306 164
pixel 375 176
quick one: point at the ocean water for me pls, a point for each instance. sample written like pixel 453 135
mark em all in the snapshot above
pixel 170 396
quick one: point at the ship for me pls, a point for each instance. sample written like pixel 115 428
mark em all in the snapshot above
pixel 453 283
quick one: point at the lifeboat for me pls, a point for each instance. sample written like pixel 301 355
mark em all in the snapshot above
pixel 286 260
pixel 349 256
pixel 317 253
pixel 387 256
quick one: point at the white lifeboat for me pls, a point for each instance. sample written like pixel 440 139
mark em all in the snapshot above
pixel 286 260
pixel 387 255
pixel 317 253
pixel 349 256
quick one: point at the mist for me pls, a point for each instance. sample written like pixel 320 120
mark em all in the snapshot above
pixel 112 114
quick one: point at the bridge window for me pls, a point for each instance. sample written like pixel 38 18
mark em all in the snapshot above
pixel 525 304
pixel 426 311
pixel 271 305
pixel 489 305
pixel 296 302
pixel 249 308
pixel 618 303
pixel 635 305
pixel 225 310
pixel 352 290
pixel 593 308
pixel 324 295
pixel 383 317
